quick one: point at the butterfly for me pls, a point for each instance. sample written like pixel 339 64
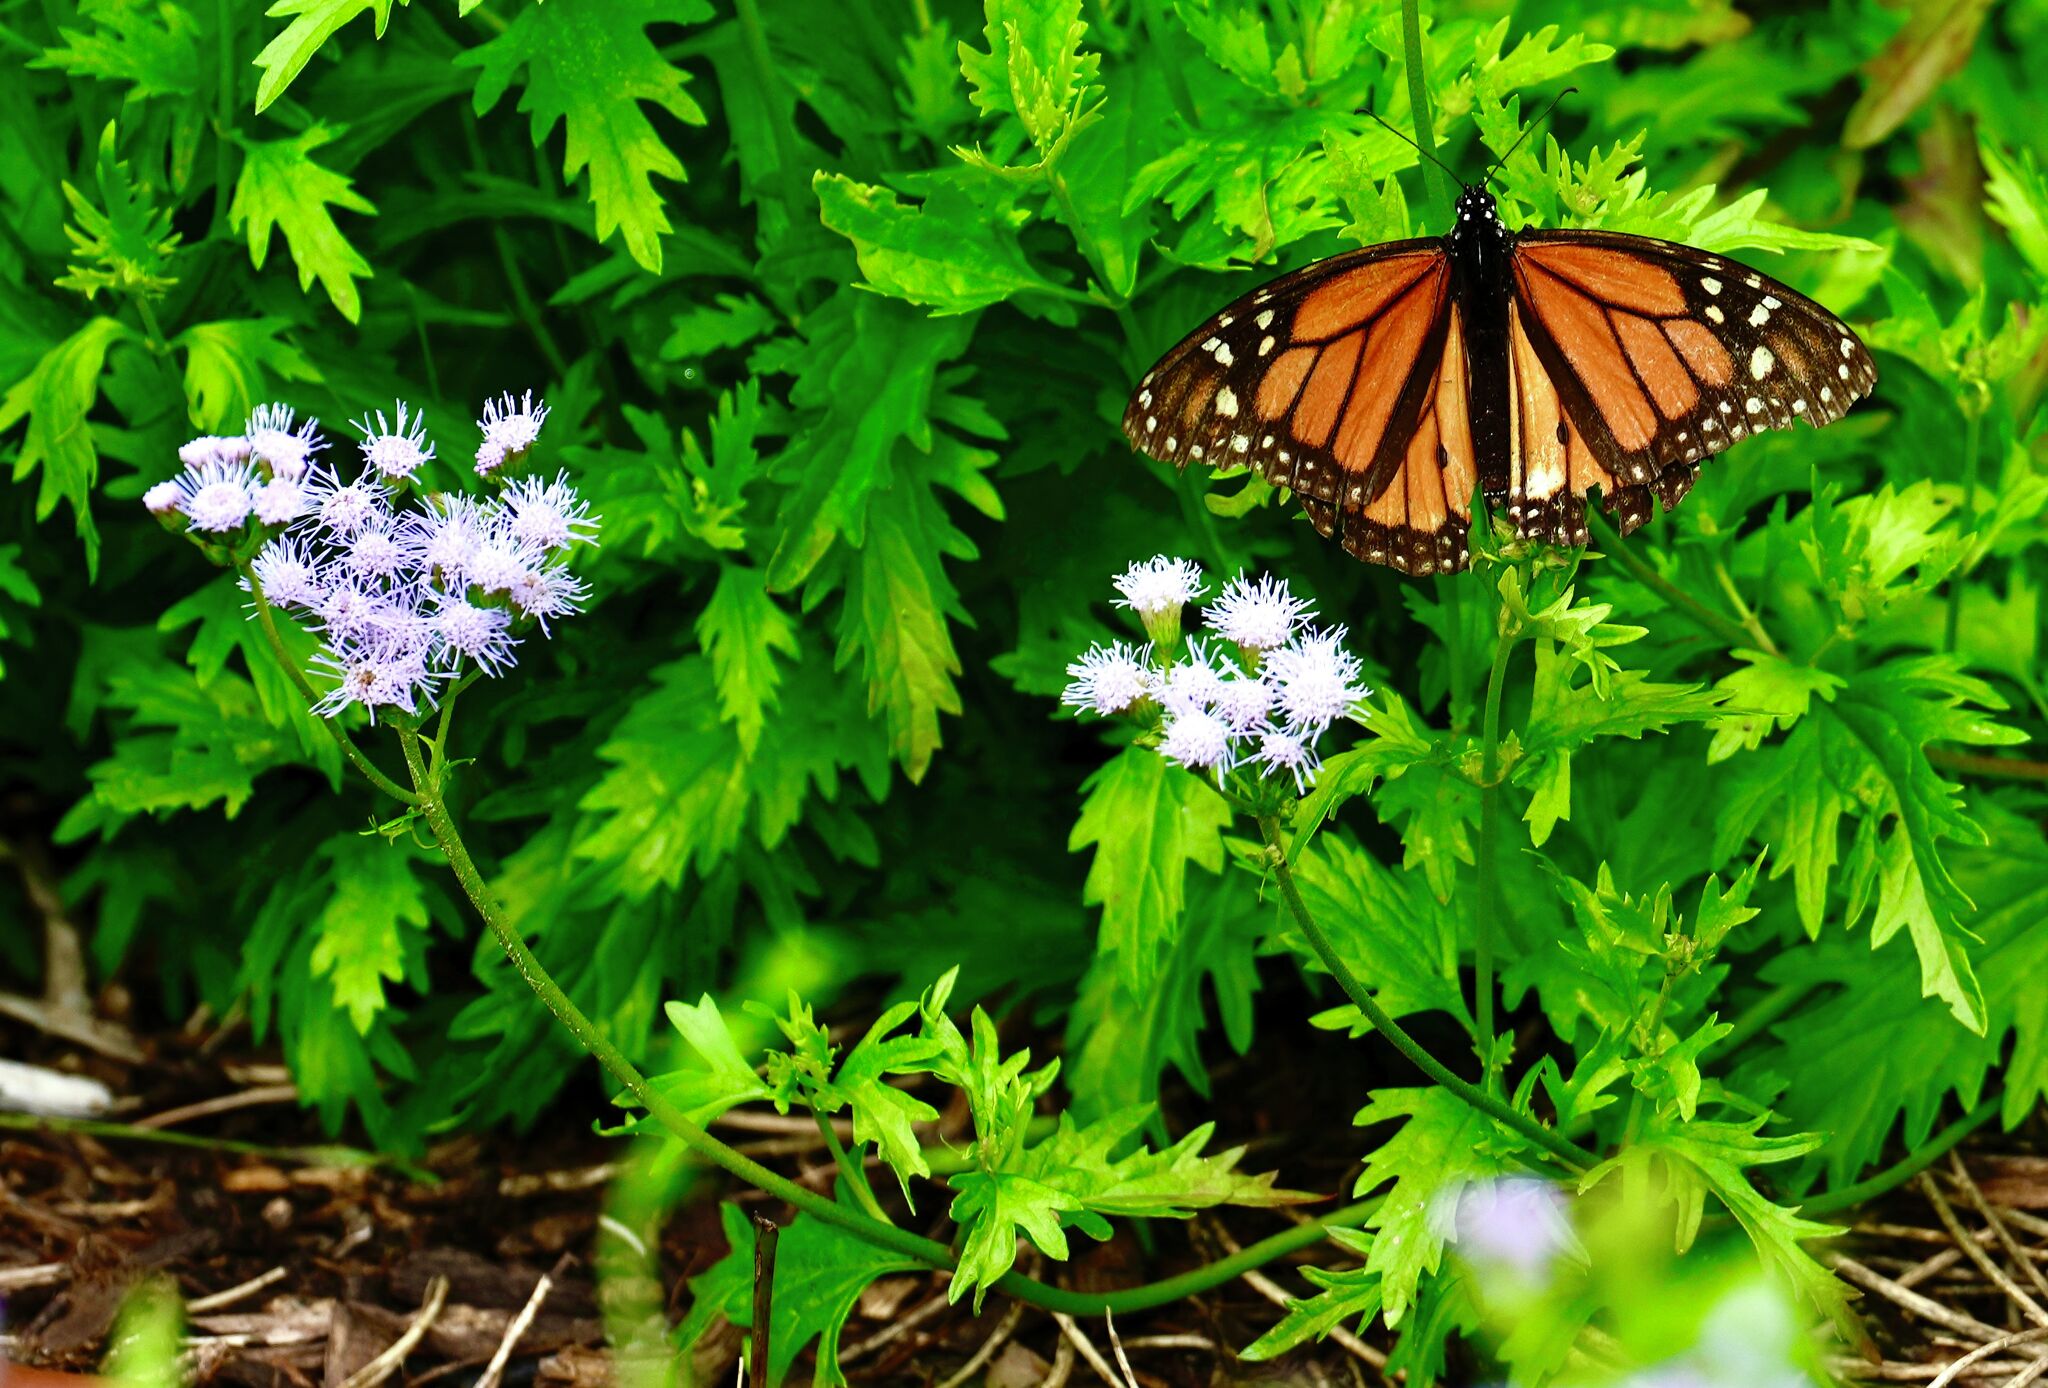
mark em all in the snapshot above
pixel 1380 384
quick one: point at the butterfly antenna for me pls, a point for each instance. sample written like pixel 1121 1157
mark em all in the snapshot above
pixel 1531 130
pixel 1419 149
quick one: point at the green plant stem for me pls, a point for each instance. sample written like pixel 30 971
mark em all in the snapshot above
pixel 1489 823
pixel 1717 623
pixel 679 1124
pixel 224 111
pixel 856 1176
pixel 1973 423
pixel 297 676
pixel 1897 1174
pixel 2012 768
pixel 780 133
pixel 1571 1154
pixel 1418 102
pixel 1750 1022
pixel 324 1155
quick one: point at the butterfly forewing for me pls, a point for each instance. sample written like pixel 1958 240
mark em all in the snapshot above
pixel 1663 355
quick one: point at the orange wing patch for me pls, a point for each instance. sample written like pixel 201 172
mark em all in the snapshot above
pixel 1614 277
pixel 1418 521
pixel 1581 329
pixel 1356 296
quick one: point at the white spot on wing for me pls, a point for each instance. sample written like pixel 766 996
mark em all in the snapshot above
pixel 1799 407
pixel 1223 357
pixel 1753 405
pixel 1711 285
pixel 1240 443
pixel 1760 362
pixel 1770 302
pixel 1226 401
pixel 1759 316
pixel 1265 344
pixel 1843 371
pixel 1264 320
pixel 1714 315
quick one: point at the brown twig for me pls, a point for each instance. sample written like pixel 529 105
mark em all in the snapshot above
pixel 1123 1361
pixel 1005 1328
pixel 222 1103
pixel 217 1300
pixel 894 1331
pixel 1974 1251
pixel 2013 1248
pixel 1909 1300
pixel 1077 1337
pixel 387 1363
pixel 1985 1351
pixel 1062 1365
pixel 495 1370
pixel 1275 1293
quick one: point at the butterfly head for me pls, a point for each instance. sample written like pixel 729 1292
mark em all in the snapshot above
pixel 1476 207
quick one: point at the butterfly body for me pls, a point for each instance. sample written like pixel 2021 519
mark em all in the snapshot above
pixel 1384 386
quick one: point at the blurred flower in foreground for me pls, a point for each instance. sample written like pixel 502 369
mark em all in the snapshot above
pixel 1255 690
pixel 407 598
pixel 1510 1232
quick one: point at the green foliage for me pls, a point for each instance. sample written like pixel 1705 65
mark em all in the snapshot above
pixel 1727 803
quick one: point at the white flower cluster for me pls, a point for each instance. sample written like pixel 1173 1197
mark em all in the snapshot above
pixel 1266 702
pixel 404 597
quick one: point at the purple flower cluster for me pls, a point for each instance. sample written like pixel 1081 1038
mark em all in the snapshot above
pixel 1258 688
pixel 405 597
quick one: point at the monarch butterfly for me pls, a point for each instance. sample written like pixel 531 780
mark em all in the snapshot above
pixel 1379 384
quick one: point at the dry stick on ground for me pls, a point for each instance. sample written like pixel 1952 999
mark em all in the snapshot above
pixel 1976 1254
pixel 225 1103
pixel 1908 1299
pixel 495 1370
pixel 2012 1246
pixel 1005 1328
pixel 1955 1371
pixel 1080 1341
pixel 1123 1361
pixel 889 1334
pixel 1930 1267
pixel 1062 1365
pixel 1895 1371
pixel 35 1275
pixel 387 1363
pixel 2028 1374
pixel 217 1300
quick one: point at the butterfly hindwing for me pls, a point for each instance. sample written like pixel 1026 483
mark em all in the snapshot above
pixel 1661 356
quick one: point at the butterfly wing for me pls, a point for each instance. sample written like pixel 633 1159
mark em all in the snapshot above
pixel 1344 383
pixel 1631 360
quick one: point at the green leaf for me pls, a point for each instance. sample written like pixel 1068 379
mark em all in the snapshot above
pixel 726 1288
pixel 55 399
pixel 1444 1144
pixel 153 46
pixel 1148 821
pixel 734 321
pixel 367 931
pixel 1352 1294
pixel 1701 1158
pixel 820 1272
pixel 741 629
pixel 1034 68
pixel 122 244
pixel 233 366
pixel 590 63
pixel 992 1207
pixel 952 253
pixel 1400 940
pixel 723 1080
pixel 280 186
pixel 313 23
pixel 2017 199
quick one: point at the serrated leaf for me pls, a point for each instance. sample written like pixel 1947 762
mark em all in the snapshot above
pixel 590 64
pixel 362 933
pixel 2017 199
pixel 1148 822
pixel 1034 68
pixel 281 186
pixel 742 629
pixel 1352 1294
pixel 151 45
pixel 724 1079
pixel 313 22
pixel 123 242
pixel 232 366
pixel 55 399
pixel 951 253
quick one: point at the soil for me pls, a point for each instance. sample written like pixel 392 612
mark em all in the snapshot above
pixel 302 1266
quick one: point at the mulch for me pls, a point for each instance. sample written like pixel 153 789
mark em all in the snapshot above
pixel 300 1269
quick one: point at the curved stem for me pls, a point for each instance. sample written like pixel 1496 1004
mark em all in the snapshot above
pixel 1897 1174
pixel 1718 624
pixel 1418 101
pixel 669 1115
pixel 298 678
pixel 1570 1153
pixel 1489 817
pixel 781 134
pixel 1973 423
pixel 1979 764
pixel 856 1177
